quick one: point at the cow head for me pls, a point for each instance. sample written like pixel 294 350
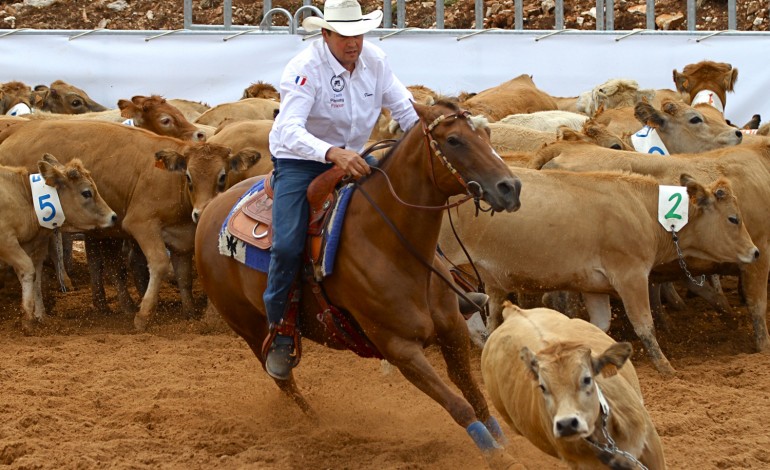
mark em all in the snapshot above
pixel 13 93
pixel 686 129
pixel 719 77
pixel 566 374
pixel 205 166
pixel 715 230
pixel 592 133
pixel 82 204
pixel 64 98
pixel 157 115
pixel 261 89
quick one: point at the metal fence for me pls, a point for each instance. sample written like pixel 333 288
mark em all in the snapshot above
pixel 605 16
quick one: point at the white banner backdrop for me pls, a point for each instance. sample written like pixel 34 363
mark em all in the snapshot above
pixel 202 66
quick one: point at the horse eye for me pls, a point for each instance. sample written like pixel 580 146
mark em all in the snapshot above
pixel 587 381
pixel 87 194
pixel 452 140
pixel 696 120
pixel 615 147
pixel 734 220
pixel 542 388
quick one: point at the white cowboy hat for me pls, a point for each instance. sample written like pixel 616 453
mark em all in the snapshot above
pixel 344 18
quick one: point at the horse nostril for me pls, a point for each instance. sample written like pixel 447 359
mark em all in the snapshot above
pixel 756 254
pixel 114 218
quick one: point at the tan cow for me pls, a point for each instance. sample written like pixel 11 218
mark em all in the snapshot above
pixel 614 93
pixel 14 93
pixel 24 242
pixel 518 95
pixel 566 386
pixel 261 89
pixel 157 207
pixel 707 82
pixel 63 98
pixel 746 165
pixel 508 138
pixel 152 113
pixel 247 134
pixel 249 108
pixel 568 235
pixel 190 109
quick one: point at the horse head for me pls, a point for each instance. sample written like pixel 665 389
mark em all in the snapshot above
pixel 462 145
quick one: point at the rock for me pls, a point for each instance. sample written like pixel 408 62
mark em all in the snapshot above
pixel 757 21
pixel 103 23
pixel 39 3
pixel 150 15
pixel 638 9
pixel 118 5
pixel 548 6
pixel 11 20
pixel 669 22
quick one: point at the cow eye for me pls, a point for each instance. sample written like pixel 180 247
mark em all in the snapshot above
pixel 221 181
pixel 696 120
pixel 615 147
pixel 165 121
pixel 87 194
pixel 77 103
pixel 189 180
pixel 542 388
pixel 587 380
pixel 734 219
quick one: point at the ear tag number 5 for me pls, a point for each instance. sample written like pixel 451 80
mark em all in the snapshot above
pixel 673 207
pixel 45 199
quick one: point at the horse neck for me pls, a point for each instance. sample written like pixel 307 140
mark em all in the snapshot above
pixel 409 170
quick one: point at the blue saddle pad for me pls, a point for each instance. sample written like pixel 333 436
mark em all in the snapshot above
pixel 253 257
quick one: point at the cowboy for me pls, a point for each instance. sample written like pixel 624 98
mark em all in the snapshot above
pixel 331 96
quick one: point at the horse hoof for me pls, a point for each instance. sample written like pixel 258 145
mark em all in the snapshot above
pixel 140 323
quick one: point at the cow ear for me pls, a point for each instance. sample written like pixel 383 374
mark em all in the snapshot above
pixel 695 190
pixel 648 115
pixel 530 361
pixel 730 78
pixel 127 108
pixel 568 134
pixel 611 359
pixel 244 159
pixel 51 171
pixel 681 82
pixel 170 160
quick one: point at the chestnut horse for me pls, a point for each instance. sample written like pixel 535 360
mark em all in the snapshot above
pixel 399 303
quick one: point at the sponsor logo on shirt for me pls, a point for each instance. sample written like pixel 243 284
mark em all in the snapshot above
pixel 300 80
pixel 337 83
pixel 367 95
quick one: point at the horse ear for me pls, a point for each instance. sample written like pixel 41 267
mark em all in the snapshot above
pixel 421 109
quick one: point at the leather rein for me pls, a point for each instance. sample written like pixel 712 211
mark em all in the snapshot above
pixel 433 149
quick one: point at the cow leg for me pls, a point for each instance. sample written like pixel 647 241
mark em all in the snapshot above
pixel 715 297
pixel 183 269
pixel 14 255
pixel 39 307
pixel 634 292
pixel 599 310
pixel 138 265
pixel 58 262
pixel 496 298
pixel 656 306
pixel 95 259
pixel 754 277
pixel 150 240
pixel 566 302
pixel 671 296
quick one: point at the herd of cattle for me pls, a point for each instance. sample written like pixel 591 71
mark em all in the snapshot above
pixel 140 175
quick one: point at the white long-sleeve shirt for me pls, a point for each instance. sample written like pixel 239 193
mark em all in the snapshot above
pixel 323 105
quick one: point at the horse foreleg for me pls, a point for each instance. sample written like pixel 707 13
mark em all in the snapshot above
pixel 410 359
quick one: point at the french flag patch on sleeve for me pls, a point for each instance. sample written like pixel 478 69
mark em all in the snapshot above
pixel 300 80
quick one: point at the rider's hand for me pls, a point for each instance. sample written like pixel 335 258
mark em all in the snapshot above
pixel 351 162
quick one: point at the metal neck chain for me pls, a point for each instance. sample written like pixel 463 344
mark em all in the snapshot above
pixel 610 447
pixel 682 263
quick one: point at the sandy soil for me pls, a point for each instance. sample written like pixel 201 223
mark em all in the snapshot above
pixel 88 392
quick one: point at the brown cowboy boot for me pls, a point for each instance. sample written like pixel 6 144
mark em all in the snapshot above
pixel 477 298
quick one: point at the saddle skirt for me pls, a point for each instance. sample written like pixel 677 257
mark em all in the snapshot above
pixel 248 227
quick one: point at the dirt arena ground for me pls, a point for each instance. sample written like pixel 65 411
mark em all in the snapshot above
pixel 87 392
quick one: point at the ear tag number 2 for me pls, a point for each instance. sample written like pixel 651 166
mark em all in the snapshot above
pixel 673 207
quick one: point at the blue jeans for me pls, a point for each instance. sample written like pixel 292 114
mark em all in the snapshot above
pixel 290 222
